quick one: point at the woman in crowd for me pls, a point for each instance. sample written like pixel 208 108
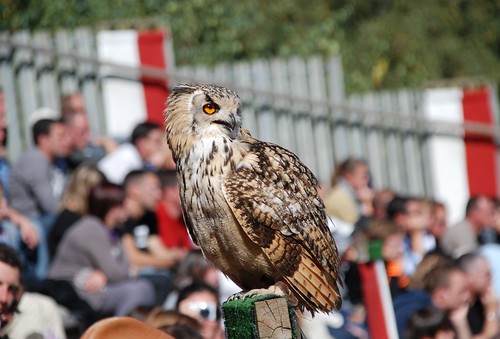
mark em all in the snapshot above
pixel 74 203
pixel 91 257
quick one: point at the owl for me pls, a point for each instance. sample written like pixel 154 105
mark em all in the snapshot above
pixel 251 206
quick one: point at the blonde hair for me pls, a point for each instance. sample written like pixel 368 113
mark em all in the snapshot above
pixel 81 182
pixel 423 273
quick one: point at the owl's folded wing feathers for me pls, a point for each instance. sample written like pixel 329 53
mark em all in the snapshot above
pixel 274 199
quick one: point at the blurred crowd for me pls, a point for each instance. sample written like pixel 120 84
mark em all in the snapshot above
pixel 444 279
pixel 92 228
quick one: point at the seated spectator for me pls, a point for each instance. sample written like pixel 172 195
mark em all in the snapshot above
pixel 90 256
pixel 350 196
pixel 483 311
pixel 74 203
pixel 171 226
pixel 36 183
pixel 24 315
pixel 146 150
pixel 15 228
pixel 439 224
pixel 408 214
pixel 195 268
pixel 84 147
pixel 384 241
pixel 463 237
pixel 430 322
pixel 4 162
pixel 201 302
pixel 381 200
pixel 141 241
pixel 445 287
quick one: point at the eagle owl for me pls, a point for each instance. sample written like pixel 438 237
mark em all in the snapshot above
pixel 251 206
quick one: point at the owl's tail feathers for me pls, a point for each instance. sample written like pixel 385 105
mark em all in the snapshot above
pixel 315 289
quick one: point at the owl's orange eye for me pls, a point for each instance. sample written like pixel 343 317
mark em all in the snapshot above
pixel 210 108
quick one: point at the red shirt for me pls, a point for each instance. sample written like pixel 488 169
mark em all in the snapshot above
pixel 172 232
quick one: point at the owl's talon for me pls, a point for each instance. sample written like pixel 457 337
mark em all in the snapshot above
pixel 279 288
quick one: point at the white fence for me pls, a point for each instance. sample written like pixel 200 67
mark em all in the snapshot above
pixel 299 104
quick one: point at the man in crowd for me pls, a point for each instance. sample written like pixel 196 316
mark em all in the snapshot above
pixel 37 182
pixel 27 315
pixel 463 237
pixel 146 150
pixel 483 311
pixel 84 147
pixel 141 241
pixel 444 287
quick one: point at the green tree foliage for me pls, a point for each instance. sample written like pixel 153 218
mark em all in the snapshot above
pixel 383 43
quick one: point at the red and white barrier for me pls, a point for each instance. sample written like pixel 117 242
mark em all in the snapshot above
pixel 461 166
pixel 128 102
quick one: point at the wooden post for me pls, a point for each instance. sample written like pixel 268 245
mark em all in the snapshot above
pixel 265 317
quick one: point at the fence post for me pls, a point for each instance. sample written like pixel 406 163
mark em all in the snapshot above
pixel 264 317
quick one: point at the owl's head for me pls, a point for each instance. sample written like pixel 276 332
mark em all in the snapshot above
pixel 200 109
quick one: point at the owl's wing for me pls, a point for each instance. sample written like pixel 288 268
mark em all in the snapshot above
pixel 275 201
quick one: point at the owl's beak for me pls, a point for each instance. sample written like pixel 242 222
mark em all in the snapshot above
pixel 230 123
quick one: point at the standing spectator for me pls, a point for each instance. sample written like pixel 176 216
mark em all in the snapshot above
pixel 74 203
pixel 350 196
pixel 91 257
pixel 171 226
pixel 85 148
pixel 146 150
pixel 141 241
pixel 37 183
pixel 463 237
pixel 24 315
pixel 483 311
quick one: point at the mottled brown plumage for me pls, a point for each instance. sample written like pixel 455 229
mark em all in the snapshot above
pixel 252 206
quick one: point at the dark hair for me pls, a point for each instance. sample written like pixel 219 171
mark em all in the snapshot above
pixel 168 177
pixel 9 256
pixel 42 127
pixel 181 331
pixel 197 287
pixel 134 176
pixel 142 130
pixel 396 206
pixel 427 322
pixel 103 197
pixel 473 203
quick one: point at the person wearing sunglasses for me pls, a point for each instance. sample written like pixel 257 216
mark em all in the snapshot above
pixel 201 302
